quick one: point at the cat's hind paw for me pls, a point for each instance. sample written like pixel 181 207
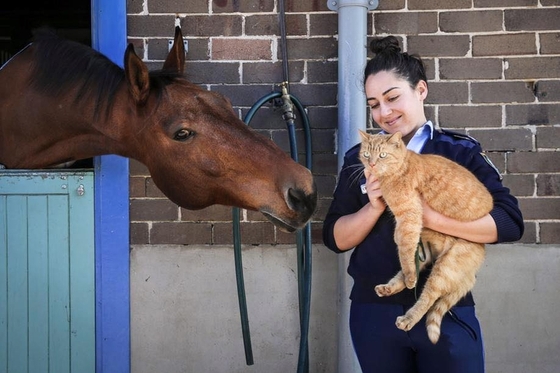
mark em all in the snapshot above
pixel 404 323
pixel 384 290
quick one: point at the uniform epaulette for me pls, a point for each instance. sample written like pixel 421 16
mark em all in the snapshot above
pixel 459 136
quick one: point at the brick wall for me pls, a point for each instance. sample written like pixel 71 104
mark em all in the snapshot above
pixel 493 68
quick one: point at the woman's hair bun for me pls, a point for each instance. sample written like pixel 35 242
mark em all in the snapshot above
pixel 386 44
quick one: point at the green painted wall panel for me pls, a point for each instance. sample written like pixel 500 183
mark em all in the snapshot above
pixel 47 272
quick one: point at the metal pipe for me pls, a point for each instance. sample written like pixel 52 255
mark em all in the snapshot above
pixel 352 54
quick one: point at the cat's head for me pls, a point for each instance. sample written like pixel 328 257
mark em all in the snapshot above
pixel 382 154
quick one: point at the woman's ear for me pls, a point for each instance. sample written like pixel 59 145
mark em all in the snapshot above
pixel 422 89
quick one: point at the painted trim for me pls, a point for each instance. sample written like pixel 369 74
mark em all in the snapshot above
pixel 112 245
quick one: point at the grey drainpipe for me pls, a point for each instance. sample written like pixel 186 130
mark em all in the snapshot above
pixel 352 54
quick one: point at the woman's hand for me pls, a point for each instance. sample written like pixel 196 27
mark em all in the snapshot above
pixel 373 188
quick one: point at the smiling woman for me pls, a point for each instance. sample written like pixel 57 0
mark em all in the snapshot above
pixel 114 112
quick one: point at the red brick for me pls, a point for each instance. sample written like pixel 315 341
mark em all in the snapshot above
pixel 405 23
pixel 532 67
pixel 267 24
pixel 212 73
pixel 391 4
pixel 439 45
pixel 462 116
pixel 247 6
pixel 520 185
pixel 271 72
pixel 548 185
pixel 251 233
pixel 322 71
pixel 153 209
pixel 550 43
pixel 208 214
pixel 241 49
pixel 504 139
pixel 495 92
pixel 530 234
pixel 532 114
pixel 504 3
pixel 325 24
pixel 504 44
pixel 438 4
pixel 177 6
pixel 549 233
pixel 146 26
pixel 137 187
pixel 534 162
pixel 212 25
pixel 306 6
pixel 532 19
pixel 448 93
pixel 470 68
pixel 170 233
pixel 471 21
pixel 139 233
pixel 540 208
pixel 312 48
pixel 152 191
pixel 548 137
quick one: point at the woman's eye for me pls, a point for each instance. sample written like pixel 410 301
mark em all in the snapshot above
pixel 382 155
pixel 183 134
pixel 394 98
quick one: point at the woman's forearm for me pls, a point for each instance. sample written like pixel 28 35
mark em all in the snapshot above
pixel 482 230
pixel 350 230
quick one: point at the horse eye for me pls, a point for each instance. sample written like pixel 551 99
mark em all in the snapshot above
pixel 183 134
pixel 382 155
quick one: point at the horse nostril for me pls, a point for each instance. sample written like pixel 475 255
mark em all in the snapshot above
pixel 301 202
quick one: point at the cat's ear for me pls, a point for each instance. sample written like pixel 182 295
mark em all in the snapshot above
pixel 396 138
pixel 363 135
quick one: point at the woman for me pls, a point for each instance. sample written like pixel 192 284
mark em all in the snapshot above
pixel 396 87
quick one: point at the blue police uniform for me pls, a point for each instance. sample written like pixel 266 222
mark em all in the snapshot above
pixel 380 346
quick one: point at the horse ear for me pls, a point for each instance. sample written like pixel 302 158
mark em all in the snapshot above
pixel 137 76
pixel 175 61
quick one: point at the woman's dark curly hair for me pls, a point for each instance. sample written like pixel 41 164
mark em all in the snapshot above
pixel 388 57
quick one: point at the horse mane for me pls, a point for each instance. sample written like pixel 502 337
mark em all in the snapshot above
pixel 61 65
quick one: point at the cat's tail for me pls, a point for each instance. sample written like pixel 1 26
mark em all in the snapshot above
pixel 436 313
pixel 434 318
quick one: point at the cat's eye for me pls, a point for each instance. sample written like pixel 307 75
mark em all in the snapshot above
pixel 382 155
pixel 366 155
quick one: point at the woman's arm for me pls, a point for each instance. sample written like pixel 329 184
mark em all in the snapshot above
pixel 483 230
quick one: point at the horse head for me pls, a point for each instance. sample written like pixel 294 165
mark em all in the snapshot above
pixel 200 153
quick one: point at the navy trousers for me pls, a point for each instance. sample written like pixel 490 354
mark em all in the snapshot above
pixel 383 348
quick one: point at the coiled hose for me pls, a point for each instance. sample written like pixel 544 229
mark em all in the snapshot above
pixel 303 237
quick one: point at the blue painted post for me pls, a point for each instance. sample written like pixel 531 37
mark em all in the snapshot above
pixel 111 215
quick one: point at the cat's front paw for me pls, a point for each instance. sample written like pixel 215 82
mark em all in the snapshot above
pixel 383 290
pixel 404 323
pixel 410 281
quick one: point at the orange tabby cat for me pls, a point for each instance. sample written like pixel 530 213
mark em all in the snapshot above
pixel 407 179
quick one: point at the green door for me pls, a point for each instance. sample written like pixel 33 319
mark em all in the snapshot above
pixel 47 269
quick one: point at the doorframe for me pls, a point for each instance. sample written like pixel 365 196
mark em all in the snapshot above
pixel 112 223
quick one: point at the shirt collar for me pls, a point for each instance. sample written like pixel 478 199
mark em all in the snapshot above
pixel 423 134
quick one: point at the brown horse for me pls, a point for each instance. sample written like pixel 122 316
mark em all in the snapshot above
pixel 62 101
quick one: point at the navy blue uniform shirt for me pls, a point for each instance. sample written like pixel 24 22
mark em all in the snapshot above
pixel 375 260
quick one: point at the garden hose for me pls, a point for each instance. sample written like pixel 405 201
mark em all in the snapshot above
pixel 303 237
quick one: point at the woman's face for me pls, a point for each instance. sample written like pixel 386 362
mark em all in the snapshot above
pixel 395 106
